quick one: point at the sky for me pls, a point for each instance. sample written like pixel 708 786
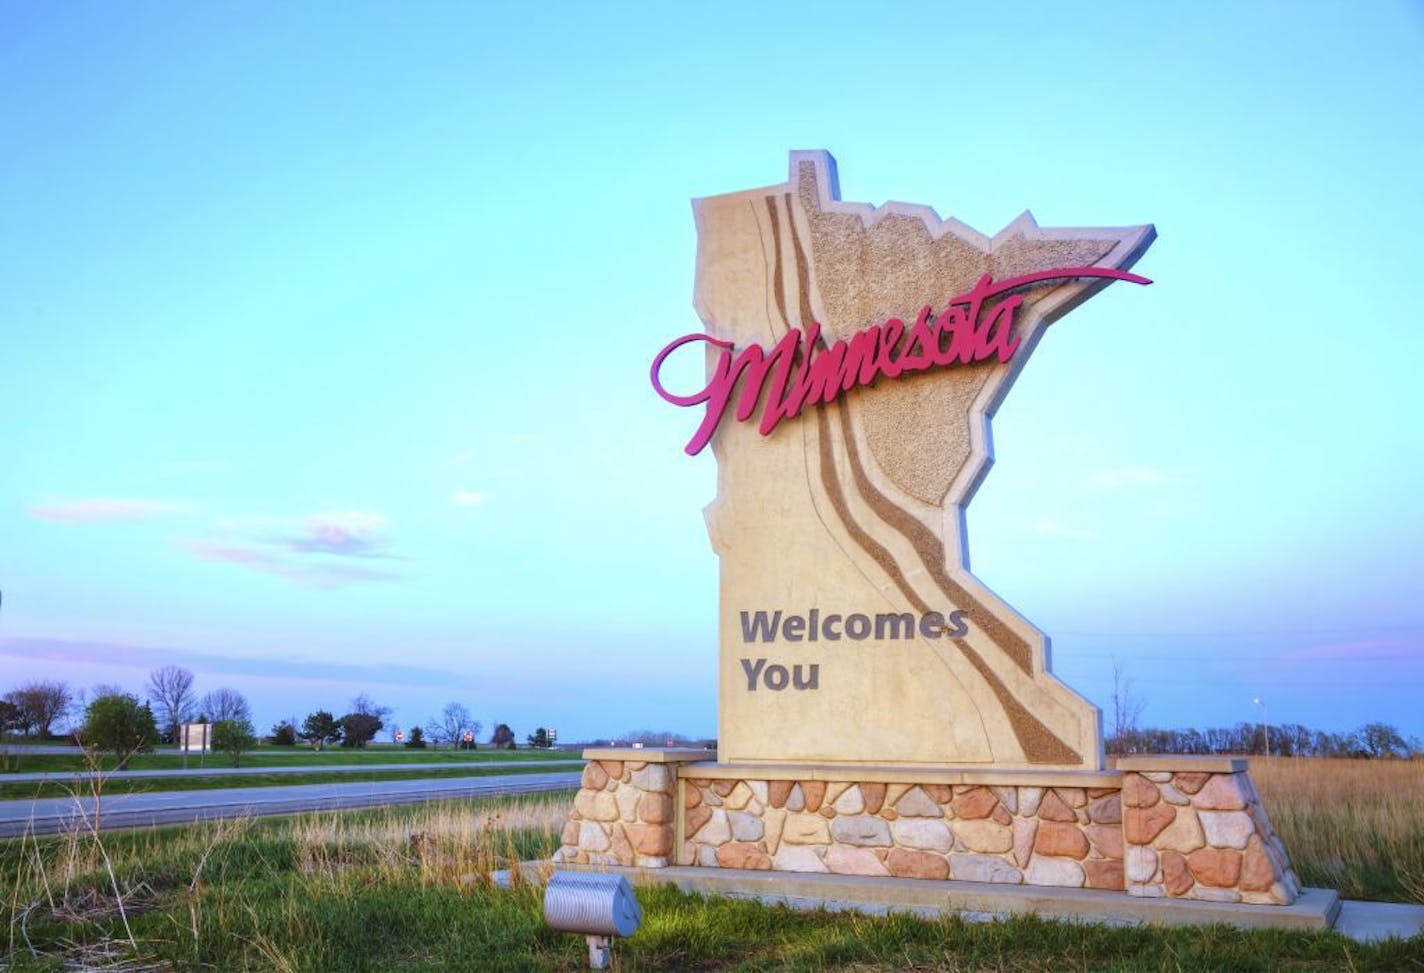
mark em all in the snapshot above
pixel 325 331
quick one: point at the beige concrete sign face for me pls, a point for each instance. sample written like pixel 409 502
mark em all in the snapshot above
pixel 851 630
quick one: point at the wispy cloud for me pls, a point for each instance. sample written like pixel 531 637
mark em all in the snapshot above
pixel 468 498
pixel 350 533
pixel 1130 476
pixel 308 574
pixel 314 551
pixel 1051 527
pixel 103 510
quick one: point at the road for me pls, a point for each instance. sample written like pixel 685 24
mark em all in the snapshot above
pixel 50 815
pixel 65 775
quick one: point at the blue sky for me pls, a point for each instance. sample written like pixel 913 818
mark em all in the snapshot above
pixel 326 332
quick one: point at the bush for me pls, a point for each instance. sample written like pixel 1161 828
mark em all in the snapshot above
pixel 233 737
pixel 119 724
pixel 417 739
pixel 284 734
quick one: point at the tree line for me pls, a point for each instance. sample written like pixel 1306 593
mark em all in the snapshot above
pixel 110 719
pixel 1373 740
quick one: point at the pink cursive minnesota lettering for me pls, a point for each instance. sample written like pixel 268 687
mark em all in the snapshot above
pixel 801 369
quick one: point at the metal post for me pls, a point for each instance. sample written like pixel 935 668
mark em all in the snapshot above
pixel 600 951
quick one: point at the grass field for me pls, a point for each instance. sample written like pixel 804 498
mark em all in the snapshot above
pixel 408 889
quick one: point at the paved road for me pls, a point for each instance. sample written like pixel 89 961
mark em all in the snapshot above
pixel 61 775
pixel 49 815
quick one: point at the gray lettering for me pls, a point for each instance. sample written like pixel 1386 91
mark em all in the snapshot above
pixel 815 617
pixel 828 631
pixel 961 627
pixel 758 626
pixel 752 673
pixel 932 625
pixel 813 681
pixel 775 678
pixel 901 626
pixel 793 629
pixel 857 627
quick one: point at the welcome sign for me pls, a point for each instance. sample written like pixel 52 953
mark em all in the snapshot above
pixel 854 358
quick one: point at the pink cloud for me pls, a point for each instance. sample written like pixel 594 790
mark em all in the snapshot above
pixel 265 561
pixel 98 511
pixel 352 533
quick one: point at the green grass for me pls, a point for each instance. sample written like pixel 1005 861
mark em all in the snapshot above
pixel 277 757
pixel 407 889
pixel 143 785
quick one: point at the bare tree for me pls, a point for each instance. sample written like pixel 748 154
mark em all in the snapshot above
pixel 170 690
pixel 452 724
pixel 225 704
pixel 39 704
pixel 1127 704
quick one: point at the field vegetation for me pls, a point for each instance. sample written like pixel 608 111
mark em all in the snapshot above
pixel 410 889
pixel 267 756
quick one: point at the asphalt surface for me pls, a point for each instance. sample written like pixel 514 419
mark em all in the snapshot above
pixel 195 771
pixel 51 815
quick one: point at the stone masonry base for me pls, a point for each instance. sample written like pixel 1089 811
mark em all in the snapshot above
pixel 1172 827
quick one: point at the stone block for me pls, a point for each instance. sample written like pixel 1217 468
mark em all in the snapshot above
pixel 650 839
pixel 760 790
pixel 1106 838
pixel 592 837
pixel 805 829
pixel 596 805
pixel 696 818
pixel 778 791
pixel 850 801
pixel 1106 809
pixel 1223 792
pixel 1258 872
pixel 846 860
pixel 986 836
pixel 773 819
pixel 1189 783
pixel 1138 791
pixel 723 787
pixel 973 803
pixel 797 858
pixel 1176 877
pixel 834 789
pixel 1141 864
pixel 1025 831
pixel 740 796
pixel 983 868
pixel 939 793
pixel 691 796
pixel 1227 829
pixel 1059 872
pixel 594 776
pixel 627 800
pixel 1072 796
pixel 622 847
pixel 795 799
pixel 1173 796
pixel 1008 797
pixel 745 827
pixel 717 830
pixel 1105 873
pixel 862 830
pixel 1054 808
pixel 612 768
pixel 915 803
pixel 928 834
pixel 707 856
pixel 1217 867
pixel 1029 799
pixel 916 864
pixel 1143 825
pixel 1215 895
pixel 874 797
pixel 1184 834
pixel 815 792
pixel 740 854
pixel 1057 839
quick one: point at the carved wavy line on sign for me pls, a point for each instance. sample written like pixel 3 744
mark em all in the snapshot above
pixel 776 278
pixel 1039 744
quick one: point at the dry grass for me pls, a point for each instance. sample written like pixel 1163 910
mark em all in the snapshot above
pixel 1352 825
